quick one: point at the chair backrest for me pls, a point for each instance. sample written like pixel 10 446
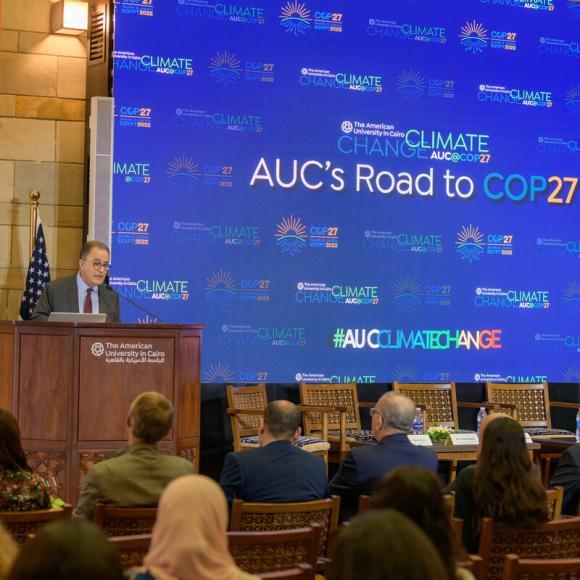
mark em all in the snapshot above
pixel 555 496
pixel 344 395
pixel 253 398
pixel 131 549
pixel 124 521
pixel 257 552
pixel 301 572
pixel 438 399
pixel 23 524
pixel 531 399
pixel 553 540
pixel 565 569
pixel 263 517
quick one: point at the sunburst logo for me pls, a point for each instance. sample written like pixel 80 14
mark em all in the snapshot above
pixel 219 373
pixel 225 68
pixel 407 294
pixel 182 174
pixel 470 243
pixel 473 37
pixel 411 85
pixel 291 235
pixel 406 374
pixel 221 289
pixel 572 99
pixel 571 298
pixel 572 374
pixel 574 8
pixel 295 17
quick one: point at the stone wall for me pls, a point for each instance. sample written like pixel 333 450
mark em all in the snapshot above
pixel 42 125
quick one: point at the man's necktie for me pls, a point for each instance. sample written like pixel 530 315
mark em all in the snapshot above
pixel 88 308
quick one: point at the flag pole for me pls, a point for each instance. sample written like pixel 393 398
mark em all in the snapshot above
pixel 34 196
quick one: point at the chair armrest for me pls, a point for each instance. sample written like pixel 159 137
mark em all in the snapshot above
pixel 325 409
pixel 231 411
pixel 562 405
pixel 486 404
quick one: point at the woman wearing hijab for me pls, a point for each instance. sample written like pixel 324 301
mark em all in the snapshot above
pixel 189 537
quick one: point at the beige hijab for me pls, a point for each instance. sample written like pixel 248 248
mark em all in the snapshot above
pixel 189 537
pixel 8 552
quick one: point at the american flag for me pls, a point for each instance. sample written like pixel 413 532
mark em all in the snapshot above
pixel 38 275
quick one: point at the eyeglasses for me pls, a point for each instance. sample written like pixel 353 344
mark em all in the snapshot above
pixel 98 265
pixel 373 411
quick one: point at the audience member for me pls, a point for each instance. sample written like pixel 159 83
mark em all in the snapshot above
pixel 68 550
pixel 276 471
pixel 392 420
pixel 416 493
pixel 136 475
pixel 8 552
pixel 20 489
pixel 567 475
pixel 385 545
pixel 502 485
pixel 189 537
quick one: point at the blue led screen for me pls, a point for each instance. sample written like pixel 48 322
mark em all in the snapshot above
pixel 371 191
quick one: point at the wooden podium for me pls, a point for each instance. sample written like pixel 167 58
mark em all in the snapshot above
pixel 70 386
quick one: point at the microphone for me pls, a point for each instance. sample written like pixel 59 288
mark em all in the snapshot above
pixel 138 306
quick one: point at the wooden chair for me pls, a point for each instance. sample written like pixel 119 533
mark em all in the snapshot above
pixel 301 572
pixel 263 517
pixel 131 549
pixel 438 399
pixel 245 407
pixel 258 552
pixel 121 521
pixel 344 424
pixel 554 540
pixel 532 403
pixel 23 524
pixel 555 496
pixel 565 569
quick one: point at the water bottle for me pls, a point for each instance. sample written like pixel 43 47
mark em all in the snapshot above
pixel 418 422
pixel 578 426
pixel 481 416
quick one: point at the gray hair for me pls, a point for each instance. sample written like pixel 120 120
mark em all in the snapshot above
pixel 397 411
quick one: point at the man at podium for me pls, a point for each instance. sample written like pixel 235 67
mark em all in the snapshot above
pixel 84 291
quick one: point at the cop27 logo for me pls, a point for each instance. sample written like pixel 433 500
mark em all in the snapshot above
pixel 291 235
pixel 411 85
pixel 182 174
pixel 473 37
pixel 470 243
pixel 221 289
pixel 225 68
pixel 219 373
pixel 572 99
pixel 295 18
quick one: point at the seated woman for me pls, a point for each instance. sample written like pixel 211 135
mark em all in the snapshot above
pixel 20 489
pixel 416 493
pixel 68 550
pixel 384 545
pixel 189 537
pixel 502 485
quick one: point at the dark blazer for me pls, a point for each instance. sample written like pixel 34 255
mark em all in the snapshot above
pixel 62 296
pixel 135 477
pixel 276 473
pixel 567 475
pixel 365 465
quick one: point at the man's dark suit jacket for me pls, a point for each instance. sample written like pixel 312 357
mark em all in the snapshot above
pixel 365 465
pixel 276 473
pixel 62 295
pixel 567 475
